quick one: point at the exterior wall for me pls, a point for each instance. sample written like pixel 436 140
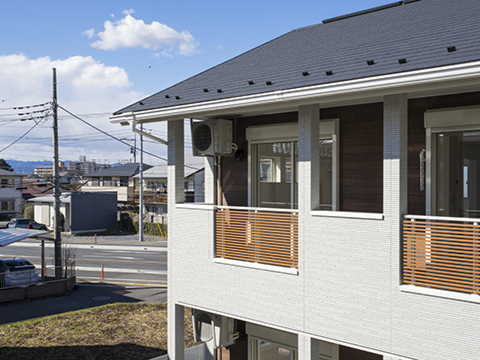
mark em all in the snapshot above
pixel 347 289
pixel 93 211
pixel 361 142
pixel 12 194
pixel 124 193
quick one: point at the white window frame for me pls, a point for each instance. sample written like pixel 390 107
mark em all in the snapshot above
pixel 444 120
pixel 329 128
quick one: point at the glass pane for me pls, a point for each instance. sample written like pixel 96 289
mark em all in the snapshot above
pixel 272 351
pixel 274 165
pixel 457 174
pixel 326 174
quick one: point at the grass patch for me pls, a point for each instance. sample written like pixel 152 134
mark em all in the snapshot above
pixel 115 331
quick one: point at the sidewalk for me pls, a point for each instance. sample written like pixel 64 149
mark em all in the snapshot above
pixel 114 238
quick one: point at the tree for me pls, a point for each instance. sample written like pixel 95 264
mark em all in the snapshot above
pixel 5 166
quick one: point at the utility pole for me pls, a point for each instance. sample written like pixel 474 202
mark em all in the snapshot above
pixel 56 188
pixel 140 220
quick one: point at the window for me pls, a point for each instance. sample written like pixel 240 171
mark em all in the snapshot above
pixel 453 162
pixel 268 350
pixel 7 183
pixel 107 181
pixel 8 205
pixel 95 181
pixel 274 163
pixel 124 181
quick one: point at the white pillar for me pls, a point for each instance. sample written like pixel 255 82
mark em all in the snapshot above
pixel 209 180
pixel 395 178
pixel 308 158
pixel 308 348
pixel 175 189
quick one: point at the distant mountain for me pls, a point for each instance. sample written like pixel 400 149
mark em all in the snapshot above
pixel 27 167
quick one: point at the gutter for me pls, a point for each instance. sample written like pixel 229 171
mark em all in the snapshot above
pixel 431 77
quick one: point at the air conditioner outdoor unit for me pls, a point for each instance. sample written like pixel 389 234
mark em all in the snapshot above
pixel 212 137
pixel 216 328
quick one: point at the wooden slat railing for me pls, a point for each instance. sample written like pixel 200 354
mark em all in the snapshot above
pixel 259 236
pixel 442 253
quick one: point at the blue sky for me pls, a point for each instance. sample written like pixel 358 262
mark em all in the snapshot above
pixel 109 54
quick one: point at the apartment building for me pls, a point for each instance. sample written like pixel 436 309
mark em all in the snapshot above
pixel 342 191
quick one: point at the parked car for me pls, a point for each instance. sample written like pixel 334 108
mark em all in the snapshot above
pixel 4 220
pixel 24 222
pixel 16 272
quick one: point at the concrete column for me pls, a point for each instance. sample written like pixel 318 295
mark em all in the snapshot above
pixel 209 180
pixel 309 161
pixel 395 152
pixel 395 178
pixel 308 348
pixel 176 159
pixel 175 189
pixel 176 329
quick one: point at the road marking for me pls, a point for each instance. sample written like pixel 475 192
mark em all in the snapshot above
pixel 119 270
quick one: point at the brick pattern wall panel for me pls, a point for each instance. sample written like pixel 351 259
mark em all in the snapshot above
pixel 347 280
pixel 237 291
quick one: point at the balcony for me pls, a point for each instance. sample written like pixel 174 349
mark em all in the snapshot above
pixel 442 253
pixel 257 235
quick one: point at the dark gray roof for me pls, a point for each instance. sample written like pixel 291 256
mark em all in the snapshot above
pixel 9 173
pixel 129 169
pixel 418 31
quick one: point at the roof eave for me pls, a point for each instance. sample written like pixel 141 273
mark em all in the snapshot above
pixel 452 78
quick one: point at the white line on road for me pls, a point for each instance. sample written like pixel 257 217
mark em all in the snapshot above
pixel 114 270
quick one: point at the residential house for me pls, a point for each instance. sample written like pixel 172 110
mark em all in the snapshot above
pixel 83 211
pixel 155 186
pixel 10 192
pixel 351 229
pixel 119 179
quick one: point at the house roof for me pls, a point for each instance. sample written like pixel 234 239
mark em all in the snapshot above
pixel 400 37
pixel 193 164
pixel 9 173
pixel 129 169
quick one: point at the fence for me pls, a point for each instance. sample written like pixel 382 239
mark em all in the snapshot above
pixel 265 236
pixel 12 278
pixel 442 253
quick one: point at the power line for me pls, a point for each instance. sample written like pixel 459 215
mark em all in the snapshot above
pixel 117 139
pixel 21 137
pixel 105 133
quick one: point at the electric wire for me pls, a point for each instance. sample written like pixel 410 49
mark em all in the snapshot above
pixel 117 139
pixel 105 133
pixel 21 137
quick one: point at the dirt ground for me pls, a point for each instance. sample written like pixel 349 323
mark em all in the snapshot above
pixel 116 331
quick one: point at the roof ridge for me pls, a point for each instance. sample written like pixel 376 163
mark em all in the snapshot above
pixel 367 11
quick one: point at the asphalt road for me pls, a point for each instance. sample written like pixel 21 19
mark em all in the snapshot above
pixel 133 272
pixel 123 258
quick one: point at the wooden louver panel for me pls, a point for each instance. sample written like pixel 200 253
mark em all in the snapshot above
pixel 257 236
pixel 442 255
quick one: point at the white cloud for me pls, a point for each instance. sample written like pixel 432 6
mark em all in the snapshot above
pixel 128 12
pixel 132 33
pixel 86 87
pixel 89 33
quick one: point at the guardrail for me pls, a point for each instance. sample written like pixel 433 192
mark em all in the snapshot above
pixel 442 253
pixel 259 235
